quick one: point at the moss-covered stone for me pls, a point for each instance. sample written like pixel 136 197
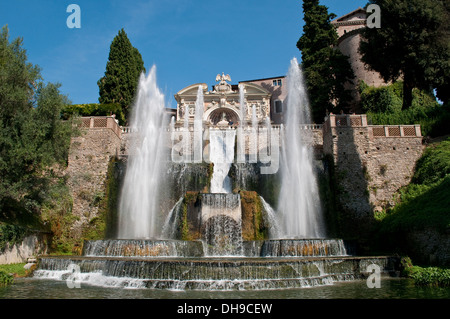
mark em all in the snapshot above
pixel 254 225
pixel 189 225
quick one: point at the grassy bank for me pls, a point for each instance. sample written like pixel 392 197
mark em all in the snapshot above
pixel 423 208
pixel 426 276
pixel 9 272
pixel 425 201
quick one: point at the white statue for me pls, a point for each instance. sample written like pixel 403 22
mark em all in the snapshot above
pixel 223 78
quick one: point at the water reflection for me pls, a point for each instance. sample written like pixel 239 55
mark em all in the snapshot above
pixel 391 288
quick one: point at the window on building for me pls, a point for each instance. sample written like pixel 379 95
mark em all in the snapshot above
pixel 277 82
pixel 278 106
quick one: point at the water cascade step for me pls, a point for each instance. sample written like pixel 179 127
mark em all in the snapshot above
pixel 174 264
pixel 210 273
pixel 142 248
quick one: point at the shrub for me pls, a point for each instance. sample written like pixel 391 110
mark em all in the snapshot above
pixel 94 109
pixel 11 234
pixel 382 99
pixel 5 279
pixel 434 164
pixel 383 107
pixel 425 276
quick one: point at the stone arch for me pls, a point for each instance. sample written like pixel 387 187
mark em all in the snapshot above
pixel 215 115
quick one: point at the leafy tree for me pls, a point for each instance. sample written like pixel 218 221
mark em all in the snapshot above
pixel 326 68
pixel 32 136
pixel 412 44
pixel 124 66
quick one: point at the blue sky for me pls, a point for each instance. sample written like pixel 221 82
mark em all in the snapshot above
pixel 189 41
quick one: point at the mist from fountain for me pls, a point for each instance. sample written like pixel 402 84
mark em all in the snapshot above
pixel 138 206
pixel 299 203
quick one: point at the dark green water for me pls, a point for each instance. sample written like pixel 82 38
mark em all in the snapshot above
pixel 391 288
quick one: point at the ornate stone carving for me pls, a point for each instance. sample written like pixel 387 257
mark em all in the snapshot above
pixel 191 109
pixel 223 87
pixel 181 110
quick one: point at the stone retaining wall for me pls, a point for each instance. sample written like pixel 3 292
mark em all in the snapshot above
pixel 31 246
pixel 372 162
pixel 89 157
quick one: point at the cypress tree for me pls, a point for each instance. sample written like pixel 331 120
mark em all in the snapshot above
pixel 124 66
pixel 326 69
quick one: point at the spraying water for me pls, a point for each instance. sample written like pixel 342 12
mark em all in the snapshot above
pixel 299 202
pixel 198 126
pixel 186 137
pixel 240 156
pixel 138 207
pixel 242 106
pixel 253 139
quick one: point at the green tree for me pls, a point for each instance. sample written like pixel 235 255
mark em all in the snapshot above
pixel 413 44
pixel 124 66
pixel 32 136
pixel 326 68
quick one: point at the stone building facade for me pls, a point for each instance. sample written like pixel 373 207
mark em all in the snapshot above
pixel 348 28
pixel 265 96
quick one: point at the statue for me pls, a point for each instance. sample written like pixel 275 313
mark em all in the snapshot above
pixel 224 121
pixel 223 86
pixel 222 78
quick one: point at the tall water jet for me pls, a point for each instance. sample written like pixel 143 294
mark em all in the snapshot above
pixel 138 207
pixel 186 137
pixel 198 126
pixel 299 202
pixel 242 106
pixel 240 156
pixel 253 140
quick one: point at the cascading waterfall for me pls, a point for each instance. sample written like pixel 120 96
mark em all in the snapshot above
pixel 299 202
pixel 172 221
pixel 138 208
pixel 222 156
pixel 222 229
pixel 222 235
pixel 274 230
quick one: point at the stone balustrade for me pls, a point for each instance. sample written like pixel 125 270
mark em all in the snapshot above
pixel 313 127
pixel 101 122
pixel 360 120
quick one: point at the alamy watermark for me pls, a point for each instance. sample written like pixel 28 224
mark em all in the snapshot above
pixel 250 145
pixel 374 279
pixel 373 20
pixel 73 280
pixel 74 19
